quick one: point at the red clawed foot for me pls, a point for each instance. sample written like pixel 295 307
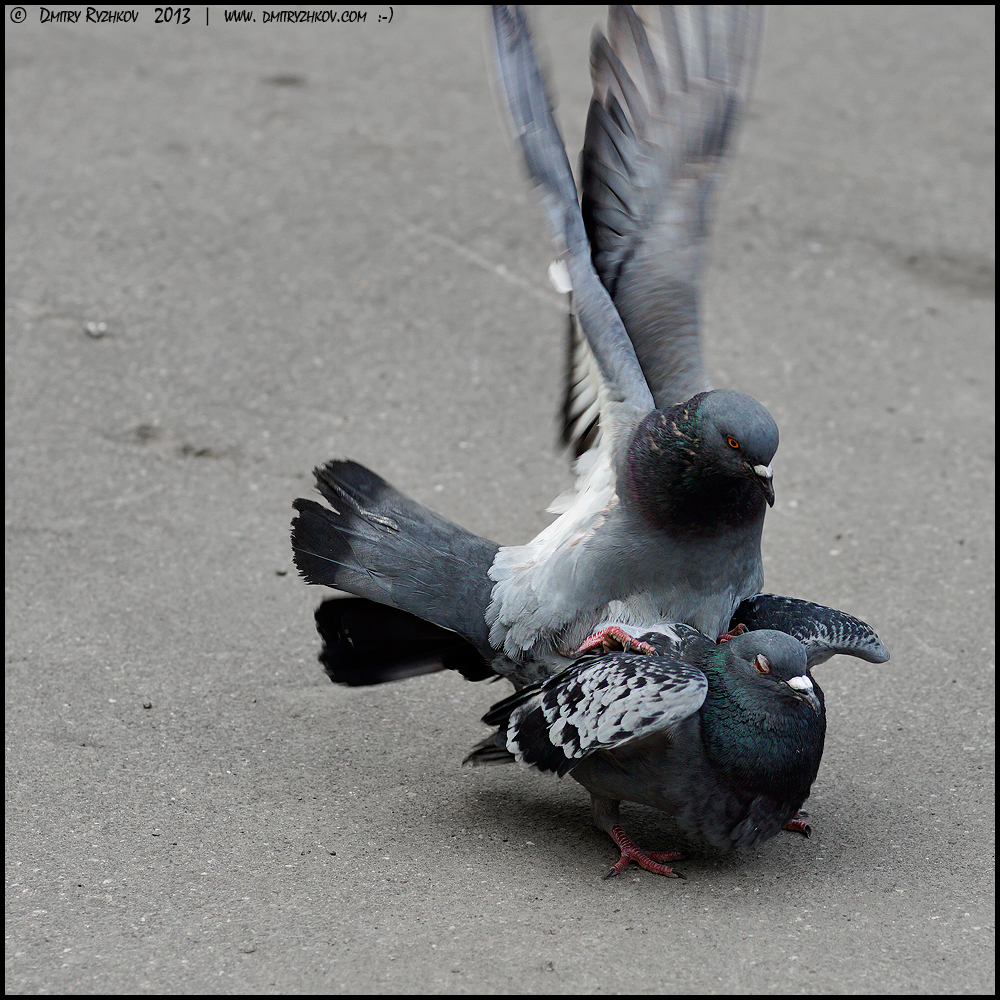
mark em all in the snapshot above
pixel 610 639
pixel 644 859
pixel 739 630
pixel 799 825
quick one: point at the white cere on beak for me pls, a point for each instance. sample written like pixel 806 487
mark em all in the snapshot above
pixel 764 471
pixel 801 683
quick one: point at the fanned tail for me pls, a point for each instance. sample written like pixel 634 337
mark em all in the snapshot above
pixel 430 575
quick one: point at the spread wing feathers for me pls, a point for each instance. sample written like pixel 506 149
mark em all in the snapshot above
pixel 581 407
pixel 823 631
pixel 600 703
pixel 624 395
pixel 670 84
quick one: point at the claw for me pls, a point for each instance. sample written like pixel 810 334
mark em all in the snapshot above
pixel 797 824
pixel 644 859
pixel 739 630
pixel 611 639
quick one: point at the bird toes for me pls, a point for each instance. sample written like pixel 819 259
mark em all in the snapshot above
pixel 733 633
pixel 798 825
pixel 610 640
pixel 650 860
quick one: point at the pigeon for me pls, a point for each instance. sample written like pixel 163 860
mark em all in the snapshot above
pixel 725 737
pixel 666 518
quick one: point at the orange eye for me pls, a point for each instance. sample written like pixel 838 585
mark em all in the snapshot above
pixel 732 442
pixel 760 662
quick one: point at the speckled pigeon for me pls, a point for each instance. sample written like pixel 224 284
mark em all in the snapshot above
pixel 666 518
pixel 726 738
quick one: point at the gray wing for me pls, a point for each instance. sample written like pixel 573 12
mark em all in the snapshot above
pixel 626 395
pixel 670 85
pixel 823 631
pixel 599 703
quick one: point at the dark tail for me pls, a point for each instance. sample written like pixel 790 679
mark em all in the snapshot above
pixel 379 544
pixel 368 643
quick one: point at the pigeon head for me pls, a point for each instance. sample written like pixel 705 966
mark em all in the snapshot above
pixel 779 660
pixel 740 434
pixel 704 466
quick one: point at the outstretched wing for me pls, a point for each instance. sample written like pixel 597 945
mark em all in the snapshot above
pixel 625 396
pixel 670 85
pixel 823 631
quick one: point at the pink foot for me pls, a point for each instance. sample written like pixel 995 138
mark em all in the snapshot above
pixel 611 639
pixel 644 859
pixel 798 824
pixel 739 630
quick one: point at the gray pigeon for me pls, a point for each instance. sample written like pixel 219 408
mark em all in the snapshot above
pixel 727 738
pixel 666 519
pixel 658 550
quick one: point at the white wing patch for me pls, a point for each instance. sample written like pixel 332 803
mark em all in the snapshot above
pixel 559 277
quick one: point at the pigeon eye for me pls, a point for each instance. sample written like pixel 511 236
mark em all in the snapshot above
pixel 732 442
pixel 761 663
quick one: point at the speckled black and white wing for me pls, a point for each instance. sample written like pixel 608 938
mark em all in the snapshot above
pixel 823 631
pixel 599 703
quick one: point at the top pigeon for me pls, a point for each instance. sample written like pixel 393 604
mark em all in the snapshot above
pixel 666 520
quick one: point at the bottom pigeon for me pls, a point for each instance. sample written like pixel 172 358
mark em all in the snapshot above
pixel 726 738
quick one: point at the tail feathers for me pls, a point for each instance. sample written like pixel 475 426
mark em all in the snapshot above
pixel 379 544
pixel 491 751
pixel 368 643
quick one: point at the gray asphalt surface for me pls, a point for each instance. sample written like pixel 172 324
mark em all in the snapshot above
pixel 237 251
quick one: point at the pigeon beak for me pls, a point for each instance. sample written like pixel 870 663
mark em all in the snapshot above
pixel 763 474
pixel 804 691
